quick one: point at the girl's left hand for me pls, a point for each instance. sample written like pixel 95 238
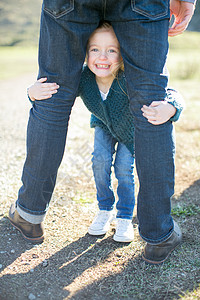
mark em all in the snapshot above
pixel 158 112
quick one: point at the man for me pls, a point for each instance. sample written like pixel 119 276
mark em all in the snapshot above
pixel 142 29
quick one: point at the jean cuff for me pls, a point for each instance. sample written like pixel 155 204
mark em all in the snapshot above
pixel 34 219
pixel 157 242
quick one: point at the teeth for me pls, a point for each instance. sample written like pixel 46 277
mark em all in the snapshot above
pixel 103 66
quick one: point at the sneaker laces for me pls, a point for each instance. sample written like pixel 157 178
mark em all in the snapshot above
pixel 102 216
pixel 123 225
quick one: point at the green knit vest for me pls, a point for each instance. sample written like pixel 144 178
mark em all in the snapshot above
pixel 113 114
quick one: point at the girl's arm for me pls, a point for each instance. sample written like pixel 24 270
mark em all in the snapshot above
pixel 159 112
pixel 41 90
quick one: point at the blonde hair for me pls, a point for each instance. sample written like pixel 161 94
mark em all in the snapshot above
pixel 104 25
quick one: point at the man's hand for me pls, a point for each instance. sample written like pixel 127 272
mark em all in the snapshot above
pixel 183 12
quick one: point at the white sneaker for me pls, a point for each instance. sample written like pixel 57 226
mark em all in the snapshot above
pixel 101 222
pixel 124 231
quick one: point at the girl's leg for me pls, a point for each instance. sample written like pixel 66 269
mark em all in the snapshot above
pixel 104 148
pixel 124 164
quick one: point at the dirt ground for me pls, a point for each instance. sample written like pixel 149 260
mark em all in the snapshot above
pixel 70 264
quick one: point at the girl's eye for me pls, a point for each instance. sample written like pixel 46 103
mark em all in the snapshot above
pixel 94 50
pixel 112 51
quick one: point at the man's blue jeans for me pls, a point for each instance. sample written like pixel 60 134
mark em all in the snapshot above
pixel 102 162
pixel 142 30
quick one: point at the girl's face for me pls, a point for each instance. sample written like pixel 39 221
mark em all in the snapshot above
pixel 104 55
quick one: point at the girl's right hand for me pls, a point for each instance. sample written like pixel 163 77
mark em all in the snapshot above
pixel 41 90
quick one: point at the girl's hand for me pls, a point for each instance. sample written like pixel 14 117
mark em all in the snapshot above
pixel 41 90
pixel 158 112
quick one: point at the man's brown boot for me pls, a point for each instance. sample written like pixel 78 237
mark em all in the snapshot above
pixel 33 233
pixel 157 254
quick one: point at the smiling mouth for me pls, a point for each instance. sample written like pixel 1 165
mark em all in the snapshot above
pixel 99 66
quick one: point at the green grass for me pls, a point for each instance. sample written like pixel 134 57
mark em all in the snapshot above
pixel 186 210
pixel 83 200
pixel 184 59
pixel 19 22
pixel 19 32
pixel 15 61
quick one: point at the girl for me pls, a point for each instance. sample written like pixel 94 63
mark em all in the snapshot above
pixel 103 90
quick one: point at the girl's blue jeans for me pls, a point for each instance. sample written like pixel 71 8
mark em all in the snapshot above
pixel 142 30
pixel 102 162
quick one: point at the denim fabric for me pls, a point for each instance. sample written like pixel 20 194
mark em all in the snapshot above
pixel 142 28
pixel 102 162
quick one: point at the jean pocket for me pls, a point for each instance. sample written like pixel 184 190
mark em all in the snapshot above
pixel 152 9
pixel 58 8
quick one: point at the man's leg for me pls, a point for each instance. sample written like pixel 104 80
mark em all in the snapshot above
pixel 62 47
pixel 144 47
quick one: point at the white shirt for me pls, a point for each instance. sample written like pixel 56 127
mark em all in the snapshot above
pixel 104 95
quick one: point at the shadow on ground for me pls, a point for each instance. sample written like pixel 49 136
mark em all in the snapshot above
pixel 98 268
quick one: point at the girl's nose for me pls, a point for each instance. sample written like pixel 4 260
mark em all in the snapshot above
pixel 103 55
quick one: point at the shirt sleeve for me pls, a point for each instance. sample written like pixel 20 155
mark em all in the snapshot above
pixel 190 1
pixel 175 99
pixel 32 102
